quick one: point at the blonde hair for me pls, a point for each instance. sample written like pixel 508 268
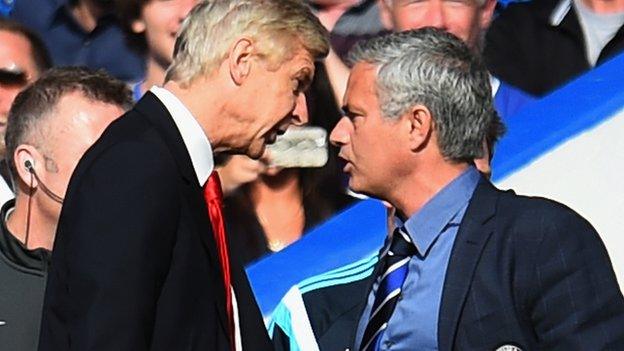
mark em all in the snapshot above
pixel 277 27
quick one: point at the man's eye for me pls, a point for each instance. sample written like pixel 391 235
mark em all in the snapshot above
pixel 353 116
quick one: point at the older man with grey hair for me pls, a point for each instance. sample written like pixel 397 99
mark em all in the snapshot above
pixel 469 267
pixel 141 258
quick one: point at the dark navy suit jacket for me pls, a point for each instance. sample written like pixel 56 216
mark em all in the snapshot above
pixel 523 271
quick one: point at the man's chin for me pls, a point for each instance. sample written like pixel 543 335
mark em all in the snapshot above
pixel 360 188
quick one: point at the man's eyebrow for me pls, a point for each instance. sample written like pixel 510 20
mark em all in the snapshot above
pixel 13 75
pixel 305 77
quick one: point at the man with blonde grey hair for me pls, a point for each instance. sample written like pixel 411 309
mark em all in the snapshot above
pixel 141 258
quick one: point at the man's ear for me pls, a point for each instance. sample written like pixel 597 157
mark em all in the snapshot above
pixel 420 126
pixel 239 59
pixel 25 157
pixel 486 13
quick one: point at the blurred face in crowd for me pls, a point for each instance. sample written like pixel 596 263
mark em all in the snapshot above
pixel 275 99
pixel 160 21
pixel 77 122
pixel 370 143
pixel 17 69
pixel 466 19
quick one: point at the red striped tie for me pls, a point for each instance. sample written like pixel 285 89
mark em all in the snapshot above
pixel 214 202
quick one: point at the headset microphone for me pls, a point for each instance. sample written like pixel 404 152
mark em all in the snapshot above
pixel 29 167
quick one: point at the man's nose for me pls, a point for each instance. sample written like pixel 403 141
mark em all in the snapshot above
pixel 340 134
pixel 300 113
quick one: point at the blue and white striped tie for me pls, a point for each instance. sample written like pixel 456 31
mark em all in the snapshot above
pixel 390 282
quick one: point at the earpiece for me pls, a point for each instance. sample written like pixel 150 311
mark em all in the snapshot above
pixel 29 166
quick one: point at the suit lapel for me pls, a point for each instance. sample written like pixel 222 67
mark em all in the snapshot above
pixel 151 108
pixel 474 232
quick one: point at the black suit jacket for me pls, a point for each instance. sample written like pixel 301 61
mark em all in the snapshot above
pixel 135 265
pixel 523 271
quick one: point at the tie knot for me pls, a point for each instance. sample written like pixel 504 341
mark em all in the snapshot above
pixel 212 188
pixel 401 245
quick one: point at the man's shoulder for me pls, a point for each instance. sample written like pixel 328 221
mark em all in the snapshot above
pixel 536 205
pixel 127 134
pixel 130 144
pixel 538 219
pixel 145 123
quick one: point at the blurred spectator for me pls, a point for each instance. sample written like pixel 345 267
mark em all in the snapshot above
pixel 51 124
pixel 348 22
pixel 151 26
pixel 277 206
pixel 82 33
pixel 540 45
pixel 23 57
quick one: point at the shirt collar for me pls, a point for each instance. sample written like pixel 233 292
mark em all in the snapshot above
pixel 442 210
pixel 195 140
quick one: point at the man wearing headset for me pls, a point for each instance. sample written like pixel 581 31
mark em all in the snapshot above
pixel 51 124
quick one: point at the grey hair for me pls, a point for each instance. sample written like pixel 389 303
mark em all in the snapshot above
pixel 435 69
pixel 279 27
